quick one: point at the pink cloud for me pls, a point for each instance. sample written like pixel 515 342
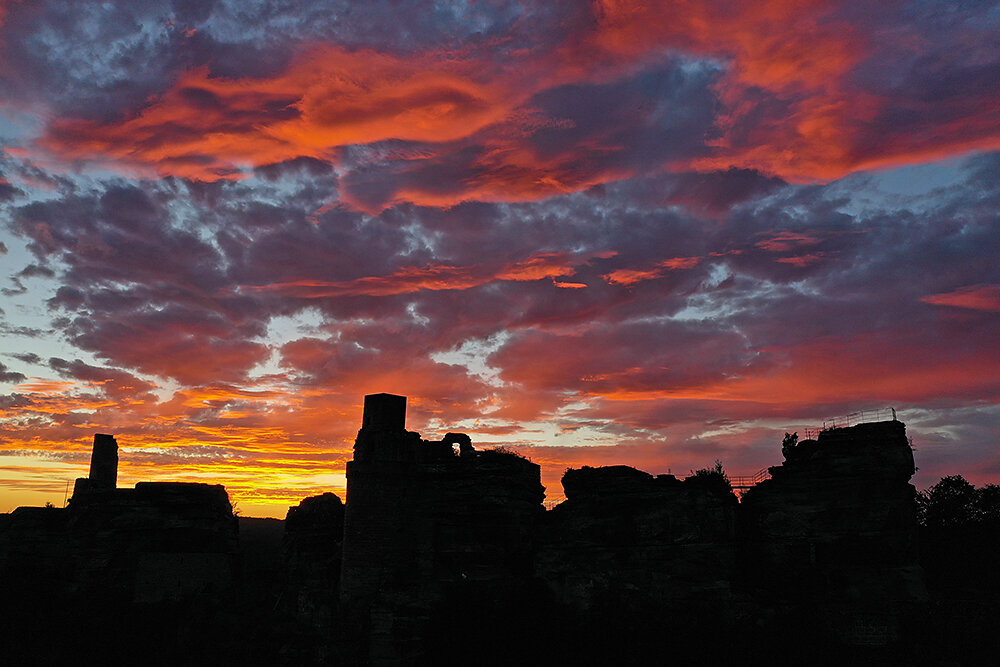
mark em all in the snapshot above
pixel 975 297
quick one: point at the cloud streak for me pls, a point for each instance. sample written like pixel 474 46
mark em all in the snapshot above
pixel 408 280
pixel 974 297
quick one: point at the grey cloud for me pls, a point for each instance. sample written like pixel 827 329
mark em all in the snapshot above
pixel 10 376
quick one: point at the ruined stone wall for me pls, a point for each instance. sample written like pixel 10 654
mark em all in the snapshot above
pixel 829 541
pixel 422 521
pixel 122 576
pixel 104 462
pixel 447 553
pixel 158 541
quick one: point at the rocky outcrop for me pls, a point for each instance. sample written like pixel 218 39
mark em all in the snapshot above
pixel 832 534
pixel 623 532
pixel 632 563
pixel 314 533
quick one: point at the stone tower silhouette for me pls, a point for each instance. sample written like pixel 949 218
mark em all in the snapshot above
pixel 384 412
pixel 104 462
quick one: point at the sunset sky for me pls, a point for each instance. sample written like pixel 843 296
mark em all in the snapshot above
pixel 648 233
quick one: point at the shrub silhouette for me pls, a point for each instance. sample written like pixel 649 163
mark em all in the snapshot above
pixel 711 478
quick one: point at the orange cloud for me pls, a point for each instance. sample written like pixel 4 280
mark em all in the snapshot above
pixel 793 49
pixel 868 368
pixel 629 277
pixel 787 241
pixel 209 128
pixel 790 106
pixel 802 260
pixel 802 55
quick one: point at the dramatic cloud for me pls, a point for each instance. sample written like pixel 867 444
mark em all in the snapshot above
pixel 802 90
pixel 207 127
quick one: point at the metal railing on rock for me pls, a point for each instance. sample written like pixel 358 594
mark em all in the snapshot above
pixel 746 481
pixel 860 417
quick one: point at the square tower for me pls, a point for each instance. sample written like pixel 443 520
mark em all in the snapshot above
pixel 384 412
pixel 104 462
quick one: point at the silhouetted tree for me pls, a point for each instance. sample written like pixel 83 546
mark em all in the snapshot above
pixel 788 443
pixel 713 478
pixel 989 504
pixel 959 538
pixel 952 502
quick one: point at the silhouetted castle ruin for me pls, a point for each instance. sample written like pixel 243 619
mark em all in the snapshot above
pixel 157 541
pixel 830 536
pixel 444 554
pixel 424 521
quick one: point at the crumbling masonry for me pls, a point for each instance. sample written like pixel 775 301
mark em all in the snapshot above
pixel 830 539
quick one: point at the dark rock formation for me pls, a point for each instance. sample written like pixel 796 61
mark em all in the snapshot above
pixel 314 532
pixel 621 529
pixel 832 536
pixel 628 554
pixel 423 523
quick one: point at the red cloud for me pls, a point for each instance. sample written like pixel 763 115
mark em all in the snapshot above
pixel 868 368
pixel 786 241
pixel 795 50
pixel 434 277
pixel 975 297
pixel 802 260
pixel 4 4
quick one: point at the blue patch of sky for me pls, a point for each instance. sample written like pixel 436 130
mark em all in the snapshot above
pixel 912 187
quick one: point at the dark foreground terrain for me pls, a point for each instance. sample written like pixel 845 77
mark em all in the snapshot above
pixel 444 554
